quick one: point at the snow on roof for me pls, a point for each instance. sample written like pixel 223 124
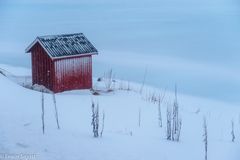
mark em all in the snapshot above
pixel 65 45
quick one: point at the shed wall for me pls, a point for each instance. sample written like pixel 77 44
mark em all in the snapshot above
pixel 73 73
pixel 42 67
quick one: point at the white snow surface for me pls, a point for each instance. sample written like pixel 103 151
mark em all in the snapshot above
pixel 123 139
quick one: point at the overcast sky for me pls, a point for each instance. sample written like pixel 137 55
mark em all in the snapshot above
pixel 192 43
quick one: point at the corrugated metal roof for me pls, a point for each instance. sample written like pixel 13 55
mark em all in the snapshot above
pixel 65 45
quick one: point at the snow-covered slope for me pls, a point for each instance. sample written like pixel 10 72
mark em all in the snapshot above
pixel 20 126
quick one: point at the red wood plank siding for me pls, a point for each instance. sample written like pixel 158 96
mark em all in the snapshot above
pixel 73 73
pixel 42 72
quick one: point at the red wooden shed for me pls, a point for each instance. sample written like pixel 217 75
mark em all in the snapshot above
pixel 62 62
